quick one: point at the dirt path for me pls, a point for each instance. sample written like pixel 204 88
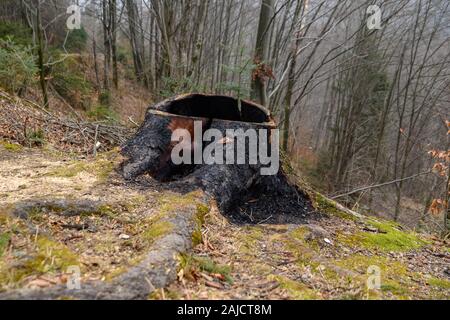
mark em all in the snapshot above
pixel 323 255
pixel 59 211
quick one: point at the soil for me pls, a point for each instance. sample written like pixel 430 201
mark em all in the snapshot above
pixel 266 247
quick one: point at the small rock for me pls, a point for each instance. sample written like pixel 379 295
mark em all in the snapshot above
pixel 38 283
pixel 321 267
pixel 213 284
pixel 124 236
pixel 316 232
pixel 371 229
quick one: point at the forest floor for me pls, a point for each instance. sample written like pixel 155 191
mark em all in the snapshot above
pixel 100 241
pixel 328 254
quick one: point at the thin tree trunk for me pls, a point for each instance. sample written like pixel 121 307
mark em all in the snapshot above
pixel 94 52
pixel 258 90
pixel 113 36
pixel 107 45
pixel 40 50
pixel 291 77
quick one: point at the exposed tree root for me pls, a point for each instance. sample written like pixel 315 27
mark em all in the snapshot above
pixel 156 270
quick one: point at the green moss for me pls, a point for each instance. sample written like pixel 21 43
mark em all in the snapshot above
pixel 101 168
pixel 4 241
pixel 360 263
pixel 286 164
pixel 303 251
pixel 66 298
pixel 260 268
pixel 439 283
pixel 189 264
pixel 326 206
pixel 48 257
pixel 295 289
pixel 157 230
pixel 35 214
pixel 156 226
pixel 106 211
pixel 249 239
pixel 163 294
pixel 115 273
pixel 206 264
pixel 169 202
pixel 388 238
pixel 395 289
pixel 197 237
pixel 202 210
pixel 52 256
pixel 68 171
pixel 200 214
pixel 396 280
pixel 301 234
pixel 12 147
pixel 333 275
pixel 134 202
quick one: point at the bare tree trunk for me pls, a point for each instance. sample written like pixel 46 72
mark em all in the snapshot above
pixel 291 76
pixel 94 52
pixel 113 37
pixel 107 44
pixel 135 41
pixel 258 90
pixel 40 51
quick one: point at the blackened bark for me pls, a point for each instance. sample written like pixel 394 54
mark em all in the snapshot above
pixel 149 150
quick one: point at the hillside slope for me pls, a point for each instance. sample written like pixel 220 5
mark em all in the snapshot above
pixel 60 209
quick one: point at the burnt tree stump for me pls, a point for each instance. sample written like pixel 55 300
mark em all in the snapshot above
pixel 149 151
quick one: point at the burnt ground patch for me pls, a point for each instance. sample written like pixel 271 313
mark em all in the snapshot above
pixel 277 202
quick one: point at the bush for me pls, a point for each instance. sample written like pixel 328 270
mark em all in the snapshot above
pixel 17 65
pixel 104 98
pixel 36 137
pixel 76 40
pixel 70 82
pixel 101 112
pixel 123 56
pixel 17 32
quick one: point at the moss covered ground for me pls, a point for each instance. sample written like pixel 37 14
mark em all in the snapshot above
pixel 331 255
